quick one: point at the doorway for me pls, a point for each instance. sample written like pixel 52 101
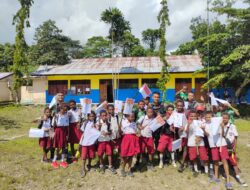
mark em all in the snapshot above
pixel 106 90
pixel 198 90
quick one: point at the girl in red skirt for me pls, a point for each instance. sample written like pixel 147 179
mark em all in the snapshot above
pixel 61 121
pixel 130 144
pixel 45 125
pixel 74 127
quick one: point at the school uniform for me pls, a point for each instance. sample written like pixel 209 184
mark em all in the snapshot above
pixel 130 143
pixel 192 144
pixel 146 140
pixel 61 130
pixel 166 139
pixel 88 151
pixel 179 120
pixel 74 119
pixel 115 135
pixel 45 142
pixel 104 141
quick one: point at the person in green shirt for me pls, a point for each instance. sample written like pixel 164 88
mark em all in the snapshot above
pixel 183 93
pixel 224 108
pixel 140 111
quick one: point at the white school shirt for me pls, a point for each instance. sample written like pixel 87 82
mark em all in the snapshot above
pixel 46 125
pixel 104 128
pixel 62 120
pixel 191 135
pixel 212 139
pixel 75 115
pixel 177 119
pixel 128 127
pixel 231 134
pixel 114 127
pixel 86 128
pixel 144 121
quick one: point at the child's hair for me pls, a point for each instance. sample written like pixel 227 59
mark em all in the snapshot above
pixel 72 101
pixel 156 93
pixel 208 113
pixel 141 101
pixel 110 106
pixel 225 113
pixel 63 106
pixel 178 101
pixel 45 109
pixel 147 98
pixel 154 113
pixel 192 111
pixel 92 113
pixel 170 106
pixel 103 111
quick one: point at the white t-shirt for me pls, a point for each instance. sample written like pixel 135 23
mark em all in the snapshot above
pixel 114 127
pixel 87 128
pixel 128 127
pixel 144 121
pixel 62 120
pixel 103 129
pixel 212 139
pixel 46 125
pixel 231 134
pixel 192 134
pixel 74 115
pixel 177 119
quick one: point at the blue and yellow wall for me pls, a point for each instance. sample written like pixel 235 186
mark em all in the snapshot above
pixel 122 93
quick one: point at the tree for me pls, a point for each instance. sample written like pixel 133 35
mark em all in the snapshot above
pixel 118 24
pixel 52 47
pixel 150 37
pixel 137 51
pixel 97 46
pixel 163 19
pixel 6 56
pixel 129 41
pixel 20 63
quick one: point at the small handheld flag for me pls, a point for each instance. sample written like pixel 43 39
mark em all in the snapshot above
pixel 145 91
pixel 53 102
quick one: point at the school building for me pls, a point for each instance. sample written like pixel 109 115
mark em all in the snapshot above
pixel 112 78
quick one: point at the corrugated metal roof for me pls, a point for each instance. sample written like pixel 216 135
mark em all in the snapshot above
pixel 4 75
pixel 183 63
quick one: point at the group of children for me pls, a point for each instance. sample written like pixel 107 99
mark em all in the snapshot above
pixel 130 137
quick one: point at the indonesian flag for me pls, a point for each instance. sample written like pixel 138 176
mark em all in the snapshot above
pixel 145 91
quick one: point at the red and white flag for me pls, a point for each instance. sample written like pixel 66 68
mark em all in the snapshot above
pixel 145 91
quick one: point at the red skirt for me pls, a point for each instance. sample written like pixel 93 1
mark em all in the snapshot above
pixel 74 133
pixel 130 145
pixel 45 142
pixel 60 138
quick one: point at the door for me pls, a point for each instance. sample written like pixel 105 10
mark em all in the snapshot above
pixel 106 90
pixel 180 82
pixel 198 90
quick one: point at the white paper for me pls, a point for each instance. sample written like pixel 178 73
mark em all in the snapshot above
pixel 215 123
pixel 36 133
pixel 89 137
pixel 197 128
pixel 86 105
pixel 101 107
pixel 156 123
pixel 176 144
pixel 53 102
pixel 118 106
pixel 128 108
pixel 186 105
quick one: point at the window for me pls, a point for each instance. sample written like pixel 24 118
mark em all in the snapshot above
pixel 80 87
pixel 150 82
pixel 58 86
pixel 128 83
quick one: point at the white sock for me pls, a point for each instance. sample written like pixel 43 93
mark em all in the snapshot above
pixel 206 169
pixel 211 166
pixel 195 167
pixel 110 166
pixel 172 156
pixel 62 159
pixel 55 157
pixel 101 165
pixel 161 158
pixel 238 176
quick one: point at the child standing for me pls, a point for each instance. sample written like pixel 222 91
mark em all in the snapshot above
pixel 61 121
pixel 130 145
pixel 45 124
pixel 146 139
pixel 140 111
pixel 196 146
pixel 104 142
pixel 74 127
pixel 88 150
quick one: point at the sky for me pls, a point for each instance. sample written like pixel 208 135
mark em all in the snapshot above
pixel 80 19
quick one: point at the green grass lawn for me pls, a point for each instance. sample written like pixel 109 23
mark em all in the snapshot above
pixel 20 166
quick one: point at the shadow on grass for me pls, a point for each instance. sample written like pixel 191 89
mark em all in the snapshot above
pixel 8 123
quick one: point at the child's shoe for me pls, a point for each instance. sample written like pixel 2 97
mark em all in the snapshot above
pixel 181 168
pixel 130 174
pixel 55 165
pixel 161 165
pixel 228 186
pixel 241 182
pixel 64 164
pixel 112 170
pixel 123 173
pixel 74 160
pixel 83 173
pixel 214 180
pixel 174 164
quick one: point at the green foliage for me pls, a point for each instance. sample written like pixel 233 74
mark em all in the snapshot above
pixel 129 41
pixel 52 47
pixel 20 63
pixel 97 46
pixel 6 56
pixel 150 38
pixel 137 51
pixel 163 19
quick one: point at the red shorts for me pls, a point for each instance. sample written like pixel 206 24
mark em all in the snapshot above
pixel 88 152
pixel 217 155
pixel 130 145
pixel 147 143
pixel 184 142
pixel 192 151
pixel 104 147
pixel 45 142
pixel 165 142
pixel 60 138
pixel 116 143
pixel 74 133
